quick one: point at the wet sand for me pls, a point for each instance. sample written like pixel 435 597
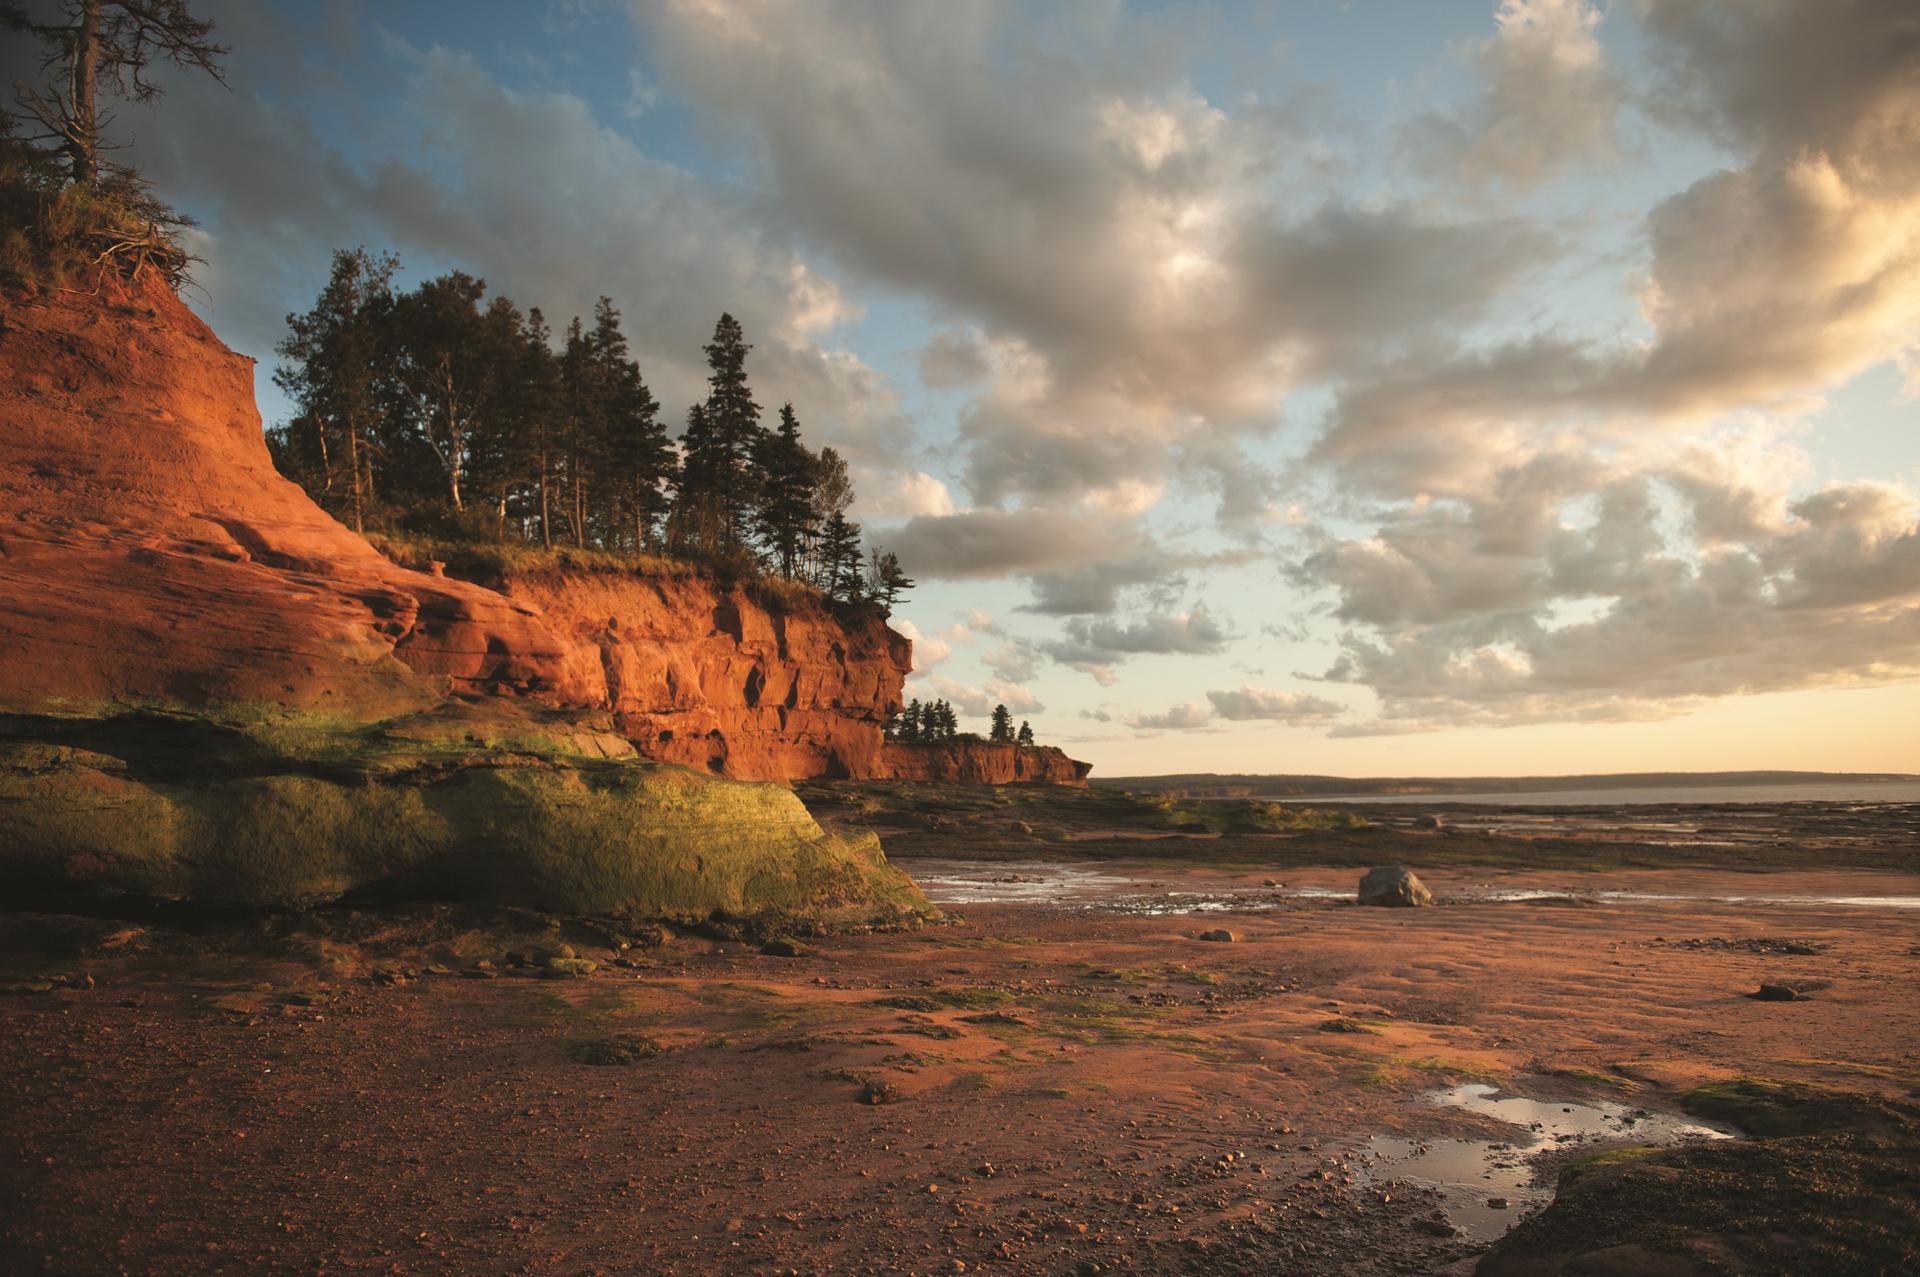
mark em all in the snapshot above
pixel 1064 1088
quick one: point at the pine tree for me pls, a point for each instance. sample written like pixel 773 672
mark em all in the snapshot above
pixel 1002 725
pixel 641 457
pixel 534 407
pixel 583 425
pixel 1025 736
pixel 786 516
pixel 887 581
pixel 840 559
pixel 910 724
pixel 337 357
pixel 719 486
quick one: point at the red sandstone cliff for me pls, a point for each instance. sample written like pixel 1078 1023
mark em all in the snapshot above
pixel 149 552
pixel 982 762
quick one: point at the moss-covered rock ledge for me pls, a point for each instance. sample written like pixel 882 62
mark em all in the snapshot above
pixel 228 808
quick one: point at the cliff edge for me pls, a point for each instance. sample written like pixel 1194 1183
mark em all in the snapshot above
pixel 212 690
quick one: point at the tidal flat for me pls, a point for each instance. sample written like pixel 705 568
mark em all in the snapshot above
pixel 1051 1080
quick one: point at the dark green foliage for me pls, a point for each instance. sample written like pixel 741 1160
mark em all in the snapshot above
pixel 1025 736
pixel 336 372
pixel 840 573
pixel 442 414
pixel 887 580
pixel 787 518
pixel 1002 728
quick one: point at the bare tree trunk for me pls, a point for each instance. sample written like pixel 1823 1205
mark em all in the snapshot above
pixel 83 142
pixel 326 454
pixel 546 516
pixel 579 504
pixel 359 487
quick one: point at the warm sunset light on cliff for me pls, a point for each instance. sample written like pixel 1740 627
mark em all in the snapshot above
pixel 1354 387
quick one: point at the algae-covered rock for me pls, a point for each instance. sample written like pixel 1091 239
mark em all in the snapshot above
pixel 285 819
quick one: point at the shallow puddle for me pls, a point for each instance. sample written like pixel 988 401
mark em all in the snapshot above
pixel 1116 890
pixel 1472 1175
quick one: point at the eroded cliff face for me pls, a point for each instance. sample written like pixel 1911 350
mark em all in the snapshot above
pixel 712 677
pixel 980 762
pixel 150 553
pixel 209 689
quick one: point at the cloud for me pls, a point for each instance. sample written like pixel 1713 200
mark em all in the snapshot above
pixel 928 650
pixel 978 702
pixel 1098 644
pixel 1548 101
pixel 1265 704
pixel 972 544
pixel 1635 604
pixel 953 359
pixel 1132 273
pixel 1245 705
pixel 1183 717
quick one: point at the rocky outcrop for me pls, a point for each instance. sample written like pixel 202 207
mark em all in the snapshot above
pixel 182 808
pixel 982 762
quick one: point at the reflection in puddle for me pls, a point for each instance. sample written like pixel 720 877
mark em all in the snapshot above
pixel 962 882
pixel 1470 1174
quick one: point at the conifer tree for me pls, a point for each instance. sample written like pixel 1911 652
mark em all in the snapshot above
pixel 840 557
pixel 786 516
pixel 1025 736
pixel 718 485
pixel 887 581
pixel 336 357
pixel 1002 725
pixel 640 456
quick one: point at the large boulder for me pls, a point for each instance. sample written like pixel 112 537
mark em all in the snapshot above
pixel 1393 885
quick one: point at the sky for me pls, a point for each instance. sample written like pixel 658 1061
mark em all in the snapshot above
pixel 1366 387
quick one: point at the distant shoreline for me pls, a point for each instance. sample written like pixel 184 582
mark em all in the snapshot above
pixel 1247 785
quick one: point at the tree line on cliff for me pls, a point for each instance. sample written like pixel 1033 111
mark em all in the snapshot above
pixel 442 411
pixel 936 721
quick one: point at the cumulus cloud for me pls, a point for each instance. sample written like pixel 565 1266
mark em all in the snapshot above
pixel 1266 704
pixel 978 702
pixel 988 543
pixel 1096 645
pixel 1242 705
pixel 1183 717
pixel 1576 529
pixel 1548 100
pixel 1763 283
pixel 1634 604
pixel 1136 275
pixel 928 650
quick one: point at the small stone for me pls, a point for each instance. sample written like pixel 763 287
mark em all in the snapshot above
pixel 781 947
pixel 1497 1203
pixel 1219 935
pixel 1777 993
pixel 568 968
pixel 875 1091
